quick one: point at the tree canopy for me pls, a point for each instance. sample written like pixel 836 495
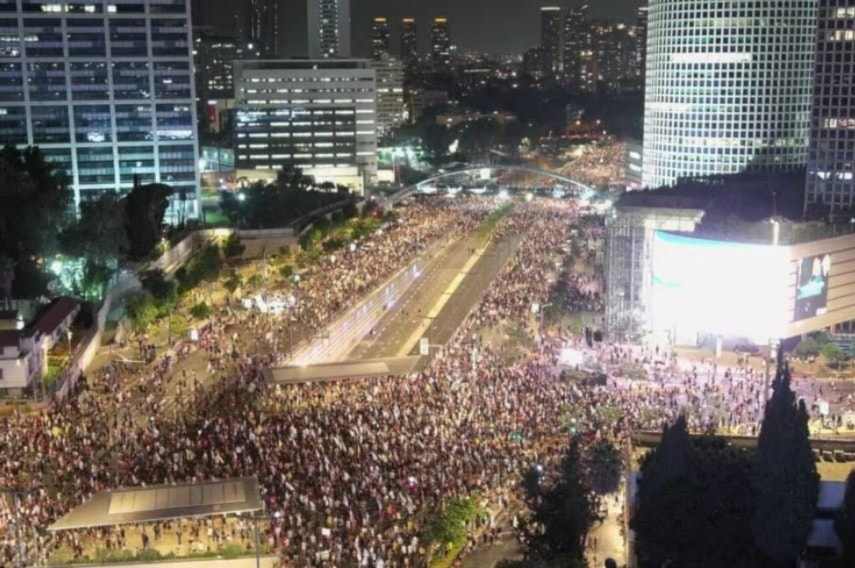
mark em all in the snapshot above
pixel 290 197
pixel 784 479
pixel 35 206
pixel 699 516
pixel 564 511
pixel 145 208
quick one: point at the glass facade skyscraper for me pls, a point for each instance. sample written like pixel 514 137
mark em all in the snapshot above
pixel 831 164
pixel 728 87
pixel 105 89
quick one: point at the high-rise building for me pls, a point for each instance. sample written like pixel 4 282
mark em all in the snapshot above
pixel 537 62
pixel 329 29
pixel 198 13
pixel 316 114
pixel 390 94
pixel 578 49
pixel 214 57
pixel 107 92
pixel 721 103
pixel 615 48
pixel 440 41
pixel 831 162
pixel 380 38
pixel 641 39
pixel 264 26
pixel 409 42
pixel 550 38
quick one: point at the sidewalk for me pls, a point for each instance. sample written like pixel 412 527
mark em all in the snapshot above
pixel 609 540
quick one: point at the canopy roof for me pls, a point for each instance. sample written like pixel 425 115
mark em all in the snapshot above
pixel 341 370
pixel 164 502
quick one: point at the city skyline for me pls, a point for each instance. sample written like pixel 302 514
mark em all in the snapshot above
pixel 505 27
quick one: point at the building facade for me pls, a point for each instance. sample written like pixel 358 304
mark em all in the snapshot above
pixel 318 115
pixel 537 62
pixel 390 94
pixel 380 38
pixel 329 29
pixel 831 163
pixel 641 38
pixel 263 27
pixel 440 41
pixel 409 42
pixel 617 60
pixel 728 87
pixel 105 90
pixel 550 38
pixel 578 50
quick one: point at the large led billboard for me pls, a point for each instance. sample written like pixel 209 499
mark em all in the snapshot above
pixel 812 286
pixel 702 286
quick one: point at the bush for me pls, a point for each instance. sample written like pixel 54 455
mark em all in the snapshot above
pixel 163 290
pixel 833 354
pixel 286 271
pixel 204 267
pixel 232 283
pixel 807 347
pixel 232 247
pixel 200 310
pixel 141 309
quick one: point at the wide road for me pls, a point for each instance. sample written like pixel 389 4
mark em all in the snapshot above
pixel 435 307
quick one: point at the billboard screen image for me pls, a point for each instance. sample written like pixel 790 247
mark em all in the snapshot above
pixel 704 286
pixel 812 286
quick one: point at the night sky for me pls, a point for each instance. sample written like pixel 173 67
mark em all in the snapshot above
pixel 494 26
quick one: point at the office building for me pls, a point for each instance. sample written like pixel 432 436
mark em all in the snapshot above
pixel 440 41
pixel 329 29
pixel 409 42
pixel 380 38
pixel 831 163
pixel 578 51
pixel 550 38
pixel 317 114
pixel 390 94
pixel 641 39
pixel 420 100
pixel 722 103
pixel 106 91
pixel 263 28
pixel 214 57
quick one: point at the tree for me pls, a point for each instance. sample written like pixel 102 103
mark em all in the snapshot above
pixel 233 247
pixel 99 232
pixel 141 310
pixel 145 207
pixel 35 207
pixel 844 524
pixel 784 478
pixel 163 290
pixel 807 347
pixel 604 464
pixel 200 310
pixel 669 461
pixel 700 517
pixel 833 354
pixel 565 511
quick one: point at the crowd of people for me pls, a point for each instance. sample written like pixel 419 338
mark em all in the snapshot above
pixel 350 470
